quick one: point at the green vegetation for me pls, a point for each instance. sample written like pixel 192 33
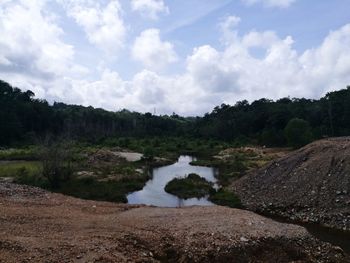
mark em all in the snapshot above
pixel 168 147
pixel 110 190
pixel 88 168
pixel 298 133
pixel 233 163
pixel 18 169
pixel 24 120
pixel 225 198
pixel 24 154
pixel 231 168
pixel 95 172
pixel 89 172
pixel 192 186
pixel 56 161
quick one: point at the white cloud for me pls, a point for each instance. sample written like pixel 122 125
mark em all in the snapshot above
pixel 149 8
pixel 249 66
pixel 229 23
pixel 215 76
pixel 227 26
pixel 32 45
pixel 154 53
pixel 238 73
pixel 271 3
pixel 104 26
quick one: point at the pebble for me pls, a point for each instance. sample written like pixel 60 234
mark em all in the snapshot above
pixel 243 239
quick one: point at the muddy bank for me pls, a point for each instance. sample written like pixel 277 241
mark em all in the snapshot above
pixel 308 185
pixel 37 226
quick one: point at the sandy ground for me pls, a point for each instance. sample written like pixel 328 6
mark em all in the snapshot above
pixel 129 156
pixel 37 226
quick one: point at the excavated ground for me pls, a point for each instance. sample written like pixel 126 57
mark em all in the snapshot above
pixel 38 226
pixel 308 185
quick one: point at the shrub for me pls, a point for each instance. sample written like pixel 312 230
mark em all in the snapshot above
pixel 56 163
pixel 298 133
pixel 225 198
pixel 148 153
pixel 190 187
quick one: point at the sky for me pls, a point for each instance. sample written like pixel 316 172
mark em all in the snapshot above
pixel 182 56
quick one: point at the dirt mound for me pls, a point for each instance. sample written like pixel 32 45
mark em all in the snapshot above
pixel 57 228
pixel 311 184
pixel 103 156
pixel 18 192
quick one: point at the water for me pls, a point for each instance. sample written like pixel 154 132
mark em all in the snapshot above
pixel 153 193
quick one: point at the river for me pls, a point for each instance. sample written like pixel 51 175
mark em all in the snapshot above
pixel 153 193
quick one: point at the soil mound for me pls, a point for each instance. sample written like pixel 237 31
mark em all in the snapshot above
pixel 57 228
pixel 311 184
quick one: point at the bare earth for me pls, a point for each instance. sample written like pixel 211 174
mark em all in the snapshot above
pixel 310 185
pixel 37 226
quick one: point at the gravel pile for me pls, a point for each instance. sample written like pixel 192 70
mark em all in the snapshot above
pixel 10 190
pixel 309 185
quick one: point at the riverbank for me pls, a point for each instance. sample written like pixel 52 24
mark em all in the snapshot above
pixel 40 226
pixel 107 171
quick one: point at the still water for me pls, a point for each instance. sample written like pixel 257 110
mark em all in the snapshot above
pixel 153 193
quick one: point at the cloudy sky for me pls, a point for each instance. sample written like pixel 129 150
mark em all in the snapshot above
pixel 183 56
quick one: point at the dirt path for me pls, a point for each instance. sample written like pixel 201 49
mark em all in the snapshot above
pixel 37 226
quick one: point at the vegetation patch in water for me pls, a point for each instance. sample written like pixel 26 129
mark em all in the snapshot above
pixel 193 186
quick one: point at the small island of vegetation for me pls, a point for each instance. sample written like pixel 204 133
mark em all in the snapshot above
pixel 192 186
pixel 195 186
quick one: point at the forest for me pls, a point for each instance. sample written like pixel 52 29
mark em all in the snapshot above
pixel 284 122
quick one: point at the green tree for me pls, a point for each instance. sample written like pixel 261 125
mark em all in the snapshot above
pixel 56 158
pixel 298 132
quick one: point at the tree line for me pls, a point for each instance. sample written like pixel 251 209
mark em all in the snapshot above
pixel 23 119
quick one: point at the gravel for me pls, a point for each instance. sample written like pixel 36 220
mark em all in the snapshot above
pixel 38 226
pixel 308 185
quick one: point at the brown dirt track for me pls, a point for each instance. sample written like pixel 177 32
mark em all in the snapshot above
pixel 37 226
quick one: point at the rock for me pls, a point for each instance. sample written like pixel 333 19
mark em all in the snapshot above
pixel 243 239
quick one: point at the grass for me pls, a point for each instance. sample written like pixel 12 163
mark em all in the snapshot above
pixel 225 198
pixel 113 191
pixel 193 186
pixel 30 173
pixel 19 168
pixel 28 154
pixel 24 172
pixel 169 147
pixel 234 164
pixel 229 169
pixel 113 180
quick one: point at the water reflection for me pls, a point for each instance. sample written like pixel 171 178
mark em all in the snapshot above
pixel 153 193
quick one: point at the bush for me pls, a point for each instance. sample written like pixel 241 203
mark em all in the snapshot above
pixel 193 186
pixel 298 133
pixel 56 163
pixel 148 153
pixel 225 198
